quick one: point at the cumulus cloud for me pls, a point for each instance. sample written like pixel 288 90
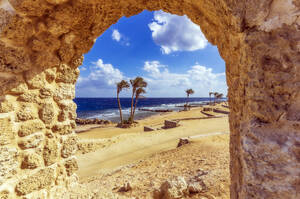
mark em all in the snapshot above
pixel 116 35
pixel 102 78
pixel 202 79
pixel 176 33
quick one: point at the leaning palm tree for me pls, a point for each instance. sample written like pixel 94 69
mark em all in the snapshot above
pixel 138 93
pixel 210 93
pixel 215 96
pixel 120 86
pixel 136 83
pixel 188 93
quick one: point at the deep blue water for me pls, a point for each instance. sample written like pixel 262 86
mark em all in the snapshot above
pixel 107 108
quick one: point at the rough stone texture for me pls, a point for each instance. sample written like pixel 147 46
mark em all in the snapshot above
pixel 31 141
pixel 51 152
pixel 30 127
pixel 47 113
pixel 8 163
pixel 40 180
pixel 31 161
pixel 259 41
pixel 70 146
pixel 6 131
pixel 71 166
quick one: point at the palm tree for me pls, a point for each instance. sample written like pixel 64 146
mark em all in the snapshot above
pixel 219 96
pixel 215 96
pixel 136 83
pixel 138 93
pixel 120 86
pixel 188 93
pixel 210 93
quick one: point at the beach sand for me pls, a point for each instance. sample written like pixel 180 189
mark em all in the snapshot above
pixel 147 159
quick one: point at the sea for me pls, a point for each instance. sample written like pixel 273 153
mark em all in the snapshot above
pixel 107 108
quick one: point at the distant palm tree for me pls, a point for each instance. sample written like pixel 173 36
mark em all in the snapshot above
pixel 136 83
pixel 138 93
pixel 210 93
pixel 188 93
pixel 120 86
pixel 219 96
pixel 215 97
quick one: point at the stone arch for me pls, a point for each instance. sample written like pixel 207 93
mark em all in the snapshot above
pixel 41 46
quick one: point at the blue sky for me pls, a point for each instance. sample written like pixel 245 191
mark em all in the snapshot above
pixel 168 51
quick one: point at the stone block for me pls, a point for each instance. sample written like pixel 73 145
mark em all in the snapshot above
pixel 30 127
pixel 170 124
pixel 40 180
pixel 28 97
pixel 51 152
pixel 67 74
pixel 62 129
pixel 20 89
pixel 6 131
pixel 50 74
pixel 31 141
pixel 47 113
pixel 31 161
pixel 207 109
pixel 27 112
pixel 8 163
pixel 35 79
pixel 64 91
pixel 71 166
pixel 69 146
pixel 45 93
pixel 147 128
pixel 6 106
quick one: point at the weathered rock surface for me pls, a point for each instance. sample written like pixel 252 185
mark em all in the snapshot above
pixel 40 180
pixel 42 43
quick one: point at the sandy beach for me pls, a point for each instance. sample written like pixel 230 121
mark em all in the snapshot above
pixel 109 156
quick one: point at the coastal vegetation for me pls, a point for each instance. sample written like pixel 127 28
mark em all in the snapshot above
pixel 188 93
pixel 120 86
pixel 138 84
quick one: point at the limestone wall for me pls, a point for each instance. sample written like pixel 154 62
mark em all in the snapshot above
pixel 41 45
pixel 37 140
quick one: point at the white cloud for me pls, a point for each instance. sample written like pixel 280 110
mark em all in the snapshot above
pixel 102 78
pixel 116 35
pixel 162 82
pixel 176 33
pixel 122 39
pixel 82 68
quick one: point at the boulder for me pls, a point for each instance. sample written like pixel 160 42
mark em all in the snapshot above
pixel 147 128
pixel 173 189
pixel 125 188
pixel 183 141
pixel 170 124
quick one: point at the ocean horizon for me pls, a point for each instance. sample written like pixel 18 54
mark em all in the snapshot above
pixel 107 108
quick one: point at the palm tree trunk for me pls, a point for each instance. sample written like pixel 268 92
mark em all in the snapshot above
pixel 131 111
pixel 136 100
pixel 120 108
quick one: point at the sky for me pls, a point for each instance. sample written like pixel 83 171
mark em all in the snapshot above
pixel 170 52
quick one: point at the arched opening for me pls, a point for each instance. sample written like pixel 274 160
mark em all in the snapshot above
pixel 171 54
pixel 41 46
